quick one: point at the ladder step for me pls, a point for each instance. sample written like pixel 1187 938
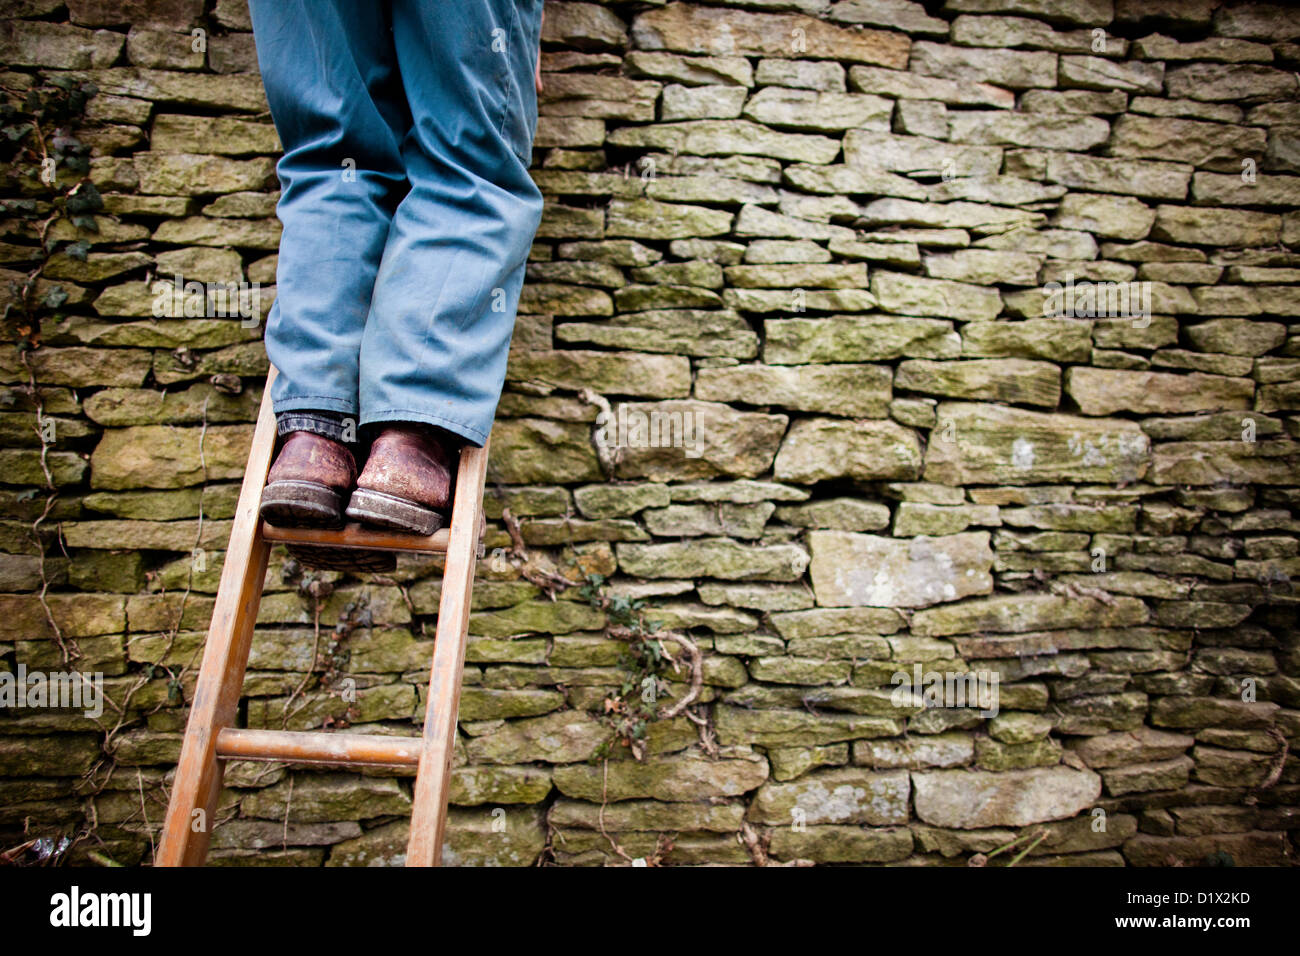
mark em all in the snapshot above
pixel 318 747
pixel 355 535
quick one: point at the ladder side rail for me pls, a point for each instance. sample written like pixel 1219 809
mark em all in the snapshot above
pixel 432 782
pixel 197 782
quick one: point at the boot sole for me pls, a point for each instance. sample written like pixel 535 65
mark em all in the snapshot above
pixel 301 504
pixel 294 503
pixel 377 509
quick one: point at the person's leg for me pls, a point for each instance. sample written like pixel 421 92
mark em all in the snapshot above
pixel 331 81
pixel 436 340
pixel 433 357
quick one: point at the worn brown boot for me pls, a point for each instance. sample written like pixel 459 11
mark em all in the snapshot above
pixel 308 483
pixel 406 484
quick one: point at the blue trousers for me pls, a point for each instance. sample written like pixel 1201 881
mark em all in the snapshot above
pixel 408 210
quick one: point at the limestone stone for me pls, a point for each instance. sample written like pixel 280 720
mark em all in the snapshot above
pixel 1022 32
pixel 841 844
pixel 1117 217
pixel 1256 848
pixel 1223 189
pixel 209 231
pixel 955 215
pixel 1056 340
pixel 681 520
pixel 1136 778
pixel 321 798
pixel 1083 12
pixel 820 111
pixel 588 26
pixel 678 778
pixel 1099 174
pixel 811 275
pixel 918 518
pixel 690 70
pixel 967 800
pixel 1016 69
pixel 779 728
pixel 1007 380
pixel 534 450
pixel 711 332
pixel 160 456
pixel 1001 128
pixel 547 617
pixel 1196 712
pixel 849 795
pixel 843 514
pixel 1230 82
pixel 799 670
pixel 475 837
pixel 727 138
pixel 702 102
pixel 691 439
pixel 1106 391
pixel 816 449
pixel 1215 146
pixel 611 501
pixel 1215 227
pixel 915 752
pixel 894 14
pixel 1141 746
pixel 1027 612
pixel 713 557
pixel 918 155
pixel 1101 73
pixel 685 28
pixel 593 96
pixel 850 338
pixel 650 219
pixel 790 762
pixel 861 391
pixel 195 135
pixel 761 597
pixel 992 444
pixel 557 738
pixel 858 569
pixel 827 76
pixel 58 46
pixel 914 295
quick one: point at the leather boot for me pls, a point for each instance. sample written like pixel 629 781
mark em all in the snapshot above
pixel 406 484
pixel 308 483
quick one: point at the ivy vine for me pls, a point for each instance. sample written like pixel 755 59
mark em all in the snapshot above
pixel 47 178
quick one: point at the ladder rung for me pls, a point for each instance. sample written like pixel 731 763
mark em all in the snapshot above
pixel 319 747
pixel 355 535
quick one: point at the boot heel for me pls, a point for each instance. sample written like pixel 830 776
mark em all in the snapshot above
pixel 292 503
pixel 382 510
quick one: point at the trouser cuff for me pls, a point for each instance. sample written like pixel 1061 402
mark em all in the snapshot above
pixel 331 425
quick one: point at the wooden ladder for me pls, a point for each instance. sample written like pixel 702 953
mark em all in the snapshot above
pixel 211 735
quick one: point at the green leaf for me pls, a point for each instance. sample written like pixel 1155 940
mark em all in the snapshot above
pixel 85 198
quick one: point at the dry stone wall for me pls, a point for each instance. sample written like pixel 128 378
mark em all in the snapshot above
pixel 945 338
